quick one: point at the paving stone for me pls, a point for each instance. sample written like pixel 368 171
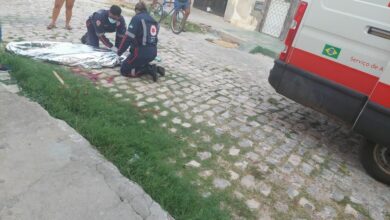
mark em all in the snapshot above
pixel 140 104
pixel 252 156
pixel 306 169
pixel 252 204
pixel 318 159
pixel 221 183
pixel 306 204
pixel 233 175
pixel 198 119
pixel 162 97
pixel 287 168
pixel 351 211
pixel 292 192
pixel 151 99
pixel 206 173
pixel 245 143
pixel 295 160
pixel 262 168
pixel 186 125
pixel 264 188
pixel 176 121
pixel 118 95
pixel 193 163
pixel 245 129
pixel 164 113
pixel 234 151
pixel 204 155
pixel 327 213
pixel 209 113
pixel 248 182
pixel 206 138
pixel 281 207
pixel 218 147
pixel 241 165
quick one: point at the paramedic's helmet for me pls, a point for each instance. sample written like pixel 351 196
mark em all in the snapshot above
pixel 140 7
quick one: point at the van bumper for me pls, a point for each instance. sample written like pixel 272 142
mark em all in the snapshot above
pixel 332 99
pixel 374 123
pixel 316 92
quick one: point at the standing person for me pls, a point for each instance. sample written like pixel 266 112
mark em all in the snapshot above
pixel 105 21
pixel 142 36
pixel 56 11
pixel 186 6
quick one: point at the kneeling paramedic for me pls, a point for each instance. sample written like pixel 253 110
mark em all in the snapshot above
pixel 142 36
pixel 105 21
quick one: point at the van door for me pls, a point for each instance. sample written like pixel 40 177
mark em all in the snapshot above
pixel 335 42
pixel 374 120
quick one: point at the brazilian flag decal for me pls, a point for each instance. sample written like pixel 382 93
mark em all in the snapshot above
pixel 331 51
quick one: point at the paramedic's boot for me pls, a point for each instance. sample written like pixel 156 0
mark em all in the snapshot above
pixel 84 39
pixel 161 70
pixel 152 70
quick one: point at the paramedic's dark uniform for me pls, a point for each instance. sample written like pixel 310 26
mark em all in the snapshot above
pixel 98 24
pixel 142 36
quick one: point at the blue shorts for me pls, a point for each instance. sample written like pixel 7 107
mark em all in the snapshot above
pixel 182 5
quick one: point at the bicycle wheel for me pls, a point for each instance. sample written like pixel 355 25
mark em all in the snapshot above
pixel 177 24
pixel 156 11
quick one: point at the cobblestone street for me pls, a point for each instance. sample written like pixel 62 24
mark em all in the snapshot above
pixel 283 160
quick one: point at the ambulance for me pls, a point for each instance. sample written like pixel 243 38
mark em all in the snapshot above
pixel 337 61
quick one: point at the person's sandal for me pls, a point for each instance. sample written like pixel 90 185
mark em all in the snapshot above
pixel 51 26
pixel 68 27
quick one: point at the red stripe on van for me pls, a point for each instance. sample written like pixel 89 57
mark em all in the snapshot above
pixel 381 95
pixel 347 76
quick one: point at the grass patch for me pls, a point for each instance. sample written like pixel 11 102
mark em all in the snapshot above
pixel 264 51
pixel 139 150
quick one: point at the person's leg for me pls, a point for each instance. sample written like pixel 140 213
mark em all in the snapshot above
pixel 92 38
pixel 129 65
pixel 177 7
pixel 56 11
pixel 187 11
pixel 69 7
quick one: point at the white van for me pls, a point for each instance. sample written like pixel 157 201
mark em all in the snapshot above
pixel 337 61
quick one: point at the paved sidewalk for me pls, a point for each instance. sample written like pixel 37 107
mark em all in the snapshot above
pixel 49 171
pixel 248 40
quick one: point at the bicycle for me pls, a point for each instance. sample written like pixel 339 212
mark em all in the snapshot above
pixel 159 14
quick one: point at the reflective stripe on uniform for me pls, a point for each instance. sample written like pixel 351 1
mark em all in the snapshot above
pixel 130 34
pixel 145 33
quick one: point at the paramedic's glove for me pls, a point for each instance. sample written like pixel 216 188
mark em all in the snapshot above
pixel 114 49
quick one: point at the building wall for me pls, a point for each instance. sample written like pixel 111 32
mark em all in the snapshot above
pixel 241 14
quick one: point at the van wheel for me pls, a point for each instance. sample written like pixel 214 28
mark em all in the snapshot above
pixel 376 160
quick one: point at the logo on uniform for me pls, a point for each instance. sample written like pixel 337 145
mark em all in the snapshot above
pixel 153 30
pixel 331 51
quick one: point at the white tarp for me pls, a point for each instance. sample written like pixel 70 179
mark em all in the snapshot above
pixel 69 54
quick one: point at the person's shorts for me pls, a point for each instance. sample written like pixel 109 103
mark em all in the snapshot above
pixel 182 5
